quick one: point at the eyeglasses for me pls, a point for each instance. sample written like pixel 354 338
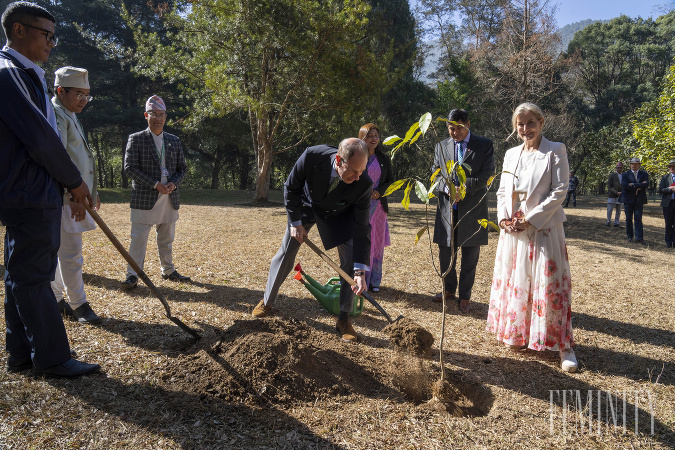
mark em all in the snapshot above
pixel 157 115
pixel 80 96
pixel 50 37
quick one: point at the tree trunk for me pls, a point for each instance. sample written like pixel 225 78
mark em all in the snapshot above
pixel 262 182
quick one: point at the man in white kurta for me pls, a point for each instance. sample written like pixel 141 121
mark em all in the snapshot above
pixel 155 163
pixel 71 87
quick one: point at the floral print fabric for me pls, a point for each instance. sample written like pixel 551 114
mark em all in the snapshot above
pixel 531 290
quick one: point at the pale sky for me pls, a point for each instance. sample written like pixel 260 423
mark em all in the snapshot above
pixel 570 11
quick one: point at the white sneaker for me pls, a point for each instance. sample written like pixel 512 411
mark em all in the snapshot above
pixel 568 360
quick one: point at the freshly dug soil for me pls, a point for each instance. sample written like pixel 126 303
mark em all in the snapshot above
pixel 407 335
pixel 279 361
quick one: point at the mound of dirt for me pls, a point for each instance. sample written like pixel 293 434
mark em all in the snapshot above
pixel 278 361
pixel 406 335
pixel 287 361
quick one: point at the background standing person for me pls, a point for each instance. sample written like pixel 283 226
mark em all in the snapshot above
pixel 572 190
pixel 71 96
pixel 380 172
pixel 478 153
pixel 614 195
pixel 34 168
pixel 634 196
pixel 155 163
pixel 530 299
pixel 667 191
pixel 328 187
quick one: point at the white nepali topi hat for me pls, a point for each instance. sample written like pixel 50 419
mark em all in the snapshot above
pixel 155 103
pixel 72 77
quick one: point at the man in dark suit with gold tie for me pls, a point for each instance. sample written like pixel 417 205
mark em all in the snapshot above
pixel 328 187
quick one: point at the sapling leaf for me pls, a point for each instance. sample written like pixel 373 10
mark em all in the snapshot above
pixel 435 174
pixel 406 197
pixel 396 185
pixel 391 140
pixel 424 122
pixel 421 191
pixel 419 234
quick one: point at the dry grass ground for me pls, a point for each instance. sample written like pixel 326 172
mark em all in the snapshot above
pixel 624 327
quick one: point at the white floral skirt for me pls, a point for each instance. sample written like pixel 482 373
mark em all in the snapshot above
pixel 531 290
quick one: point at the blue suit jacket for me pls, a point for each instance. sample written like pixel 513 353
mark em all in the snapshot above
pixel 637 193
pixel 340 215
pixel 34 165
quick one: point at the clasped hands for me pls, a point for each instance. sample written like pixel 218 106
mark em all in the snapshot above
pixel 516 224
pixel 170 186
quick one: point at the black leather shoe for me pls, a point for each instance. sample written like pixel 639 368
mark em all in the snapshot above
pixel 15 366
pixel 84 314
pixel 175 276
pixel 130 283
pixel 69 369
pixel 65 308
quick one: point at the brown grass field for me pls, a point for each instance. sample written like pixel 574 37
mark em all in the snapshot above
pixel 289 382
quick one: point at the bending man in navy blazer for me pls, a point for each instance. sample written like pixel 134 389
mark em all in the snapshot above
pixel 634 197
pixel 327 187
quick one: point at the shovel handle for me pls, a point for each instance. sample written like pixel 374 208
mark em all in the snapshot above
pixel 346 277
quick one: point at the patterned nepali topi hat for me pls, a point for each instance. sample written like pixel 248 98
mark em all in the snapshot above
pixel 155 103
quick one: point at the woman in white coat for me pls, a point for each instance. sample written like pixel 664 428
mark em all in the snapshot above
pixel 531 287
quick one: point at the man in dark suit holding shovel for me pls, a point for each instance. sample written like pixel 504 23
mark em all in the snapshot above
pixel 328 187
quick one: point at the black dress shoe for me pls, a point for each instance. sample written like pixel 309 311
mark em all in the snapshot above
pixel 175 276
pixel 630 239
pixel 130 283
pixel 69 369
pixel 14 366
pixel 618 226
pixel 65 308
pixel 84 314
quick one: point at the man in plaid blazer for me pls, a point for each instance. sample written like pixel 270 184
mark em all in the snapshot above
pixel 155 163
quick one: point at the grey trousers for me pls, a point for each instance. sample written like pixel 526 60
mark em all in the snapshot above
pixel 617 215
pixel 284 260
pixel 139 242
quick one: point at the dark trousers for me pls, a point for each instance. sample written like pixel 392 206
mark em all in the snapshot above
pixel 284 260
pixel 34 325
pixel 633 211
pixel 573 196
pixel 467 273
pixel 669 216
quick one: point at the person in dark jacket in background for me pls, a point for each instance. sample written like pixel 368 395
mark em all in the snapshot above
pixel 572 190
pixel 34 168
pixel 379 170
pixel 667 191
pixel 634 196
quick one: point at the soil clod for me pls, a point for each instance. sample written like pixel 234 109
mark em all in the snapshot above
pixel 407 335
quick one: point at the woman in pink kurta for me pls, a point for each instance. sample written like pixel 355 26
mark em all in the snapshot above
pixel 531 286
pixel 379 170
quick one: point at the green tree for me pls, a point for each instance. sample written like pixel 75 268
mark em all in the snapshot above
pixel 653 125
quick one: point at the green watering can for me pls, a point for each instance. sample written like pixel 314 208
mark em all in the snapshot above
pixel 328 295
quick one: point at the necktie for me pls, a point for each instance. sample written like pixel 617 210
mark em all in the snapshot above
pixel 460 152
pixel 334 182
